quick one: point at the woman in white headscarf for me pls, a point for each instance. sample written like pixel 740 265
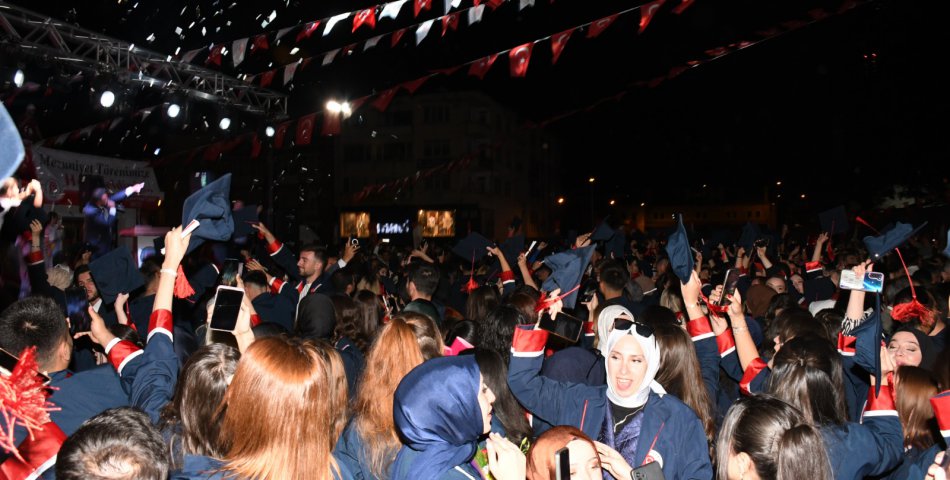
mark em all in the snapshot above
pixel 633 418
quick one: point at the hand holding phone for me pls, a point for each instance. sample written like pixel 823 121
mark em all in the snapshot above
pixel 870 282
pixel 729 285
pixel 227 307
pixel 562 325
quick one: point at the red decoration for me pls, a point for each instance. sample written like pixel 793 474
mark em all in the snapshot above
pixel 382 101
pixel 260 42
pixel 182 287
pixel 365 17
pixel 599 26
pixel 308 30
pixel 305 129
pixel 682 6
pixel 558 42
pixel 331 125
pixel 481 66
pixel 23 401
pixel 255 146
pixel 413 85
pixel 419 5
pixel 495 3
pixel 267 78
pixel 397 36
pixel 280 134
pixel 519 58
pixel 214 57
pixel 450 21
pixel 646 13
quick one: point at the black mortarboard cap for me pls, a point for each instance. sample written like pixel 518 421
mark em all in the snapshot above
pixel 602 232
pixel 750 233
pixel 115 273
pixel 834 221
pixel 11 146
pixel 473 245
pixel 212 207
pixel 889 240
pixel 616 244
pixel 680 253
pixel 515 223
pixel 571 238
pixel 567 270
pixel 512 247
pixel 243 217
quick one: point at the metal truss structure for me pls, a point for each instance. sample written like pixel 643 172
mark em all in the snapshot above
pixel 41 35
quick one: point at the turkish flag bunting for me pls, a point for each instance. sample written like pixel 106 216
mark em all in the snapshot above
pixel 646 13
pixel 494 4
pixel 215 56
pixel 308 30
pixel 280 134
pixel 599 26
pixel 267 78
pixel 519 58
pixel 365 17
pixel 260 42
pixel 382 101
pixel 450 21
pixel 419 5
pixel 413 85
pixel 255 146
pixel 305 129
pixel 481 66
pixel 558 42
pixel 682 6
pixel 397 36
pixel 331 125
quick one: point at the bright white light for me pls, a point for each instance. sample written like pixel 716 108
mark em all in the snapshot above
pixel 293 51
pixel 269 131
pixel 18 78
pixel 334 107
pixel 107 99
pixel 345 108
pixel 157 151
pixel 225 123
pixel 173 110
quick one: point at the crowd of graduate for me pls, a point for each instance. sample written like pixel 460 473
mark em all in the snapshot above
pixel 430 361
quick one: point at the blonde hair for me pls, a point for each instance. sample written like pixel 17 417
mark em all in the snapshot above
pixel 284 410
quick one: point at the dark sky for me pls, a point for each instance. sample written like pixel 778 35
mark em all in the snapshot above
pixel 833 100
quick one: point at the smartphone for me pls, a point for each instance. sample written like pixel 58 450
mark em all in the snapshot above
pixel 871 282
pixel 563 325
pixel 77 310
pixel 227 305
pixel 729 285
pixel 8 362
pixel 562 464
pixel 650 471
pixel 762 242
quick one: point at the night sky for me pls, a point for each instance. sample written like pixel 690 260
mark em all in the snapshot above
pixel 834 99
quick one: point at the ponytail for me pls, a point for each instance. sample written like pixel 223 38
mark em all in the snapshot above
pixel 801 454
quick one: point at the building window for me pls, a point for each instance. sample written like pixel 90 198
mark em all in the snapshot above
pixel 435 152
pixel 356 153
pixel 398 118
pixel 395 152
pixel 435 114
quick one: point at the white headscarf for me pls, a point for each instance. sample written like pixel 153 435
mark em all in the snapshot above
pixel 609 338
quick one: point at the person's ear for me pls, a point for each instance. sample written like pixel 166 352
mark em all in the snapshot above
pixel 745 463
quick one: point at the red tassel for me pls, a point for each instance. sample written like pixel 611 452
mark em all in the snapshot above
pixel 471 286
pixel 182 287
pixel 23 401
pixel 913 309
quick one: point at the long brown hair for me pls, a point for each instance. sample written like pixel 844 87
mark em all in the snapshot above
pixel 284 411
pixel 807 372
pixel 397 350
pixel 352 323
pixel 915 387
pixel 680 375
pixel 541 461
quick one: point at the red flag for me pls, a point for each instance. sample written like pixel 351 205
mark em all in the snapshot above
pixel 684 4
pixel 280 134
pixel 558 42
pixel 308 30
pixel 448 71
pixel 495 4
pixel 213 151
pixel 331 124
pixel 419 5
pixel 413 85
pixel 717 52
pixel 397 36
pixel 255 146
pixel 365 17
pixel 215 56
pixel 267 78
pixel 599 26
pixel 260 42
pixel 646 13
pixel 450 21
pixel 518 58
pixel 382 101
pixel 481 66
pixel 305 129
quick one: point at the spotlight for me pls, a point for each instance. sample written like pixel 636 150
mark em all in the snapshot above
pixel 157 151
pixel 18 78
pixel 269 131
pixel 107 99
pixel 173 110
pixel 345 108
pixel 334 107
pixel 225 123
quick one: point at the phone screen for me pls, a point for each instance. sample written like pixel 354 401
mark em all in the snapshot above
pixel 564 326
pixel 563 465
pixel 729 285
pixel 227 305
pixel 871 282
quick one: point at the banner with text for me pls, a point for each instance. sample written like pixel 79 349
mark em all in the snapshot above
pixel 69 178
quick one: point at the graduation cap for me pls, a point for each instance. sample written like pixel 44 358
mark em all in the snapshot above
pixel 750 233
pixel 11 146
pixel 212 207
pixel 834 221
pixel 512 247
pixel 616 244
pixel 243 218
pixel 889 240
pixel 515 224
pixel 115 273
pixel 680 253
pixel 602 232
pixel 567 270
pixel 473 246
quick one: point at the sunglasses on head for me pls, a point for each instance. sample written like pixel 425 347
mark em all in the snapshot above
pixel 643 329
